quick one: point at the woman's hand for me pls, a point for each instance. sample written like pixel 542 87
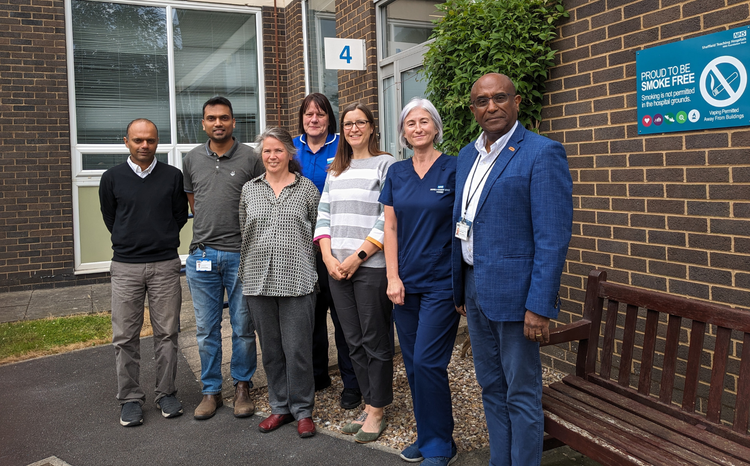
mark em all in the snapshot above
pixel 396 291
pixel 333 265
pixel 349 266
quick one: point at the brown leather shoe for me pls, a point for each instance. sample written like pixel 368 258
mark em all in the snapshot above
pixel 306 427
pixel 207 407
pixel 243 404
pixel 274 421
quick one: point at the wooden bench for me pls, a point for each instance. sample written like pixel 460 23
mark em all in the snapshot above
pixel 662 391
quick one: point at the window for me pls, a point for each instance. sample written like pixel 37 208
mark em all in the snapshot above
pixel 159 60
pixel 406 23
pixel 321 23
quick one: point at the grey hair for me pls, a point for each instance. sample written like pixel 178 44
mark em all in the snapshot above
pixel 283 136
pixel 418 102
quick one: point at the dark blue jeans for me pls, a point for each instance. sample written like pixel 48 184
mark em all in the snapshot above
pixel 509 370
pixel 208 289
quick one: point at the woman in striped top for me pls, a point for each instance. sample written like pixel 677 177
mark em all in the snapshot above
pixel 350 234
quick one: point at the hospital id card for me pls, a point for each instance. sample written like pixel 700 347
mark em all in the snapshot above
pixel 463 226
pixel 203 265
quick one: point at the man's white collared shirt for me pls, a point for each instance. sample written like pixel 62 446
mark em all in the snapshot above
pixel 475 184
pixel 139 171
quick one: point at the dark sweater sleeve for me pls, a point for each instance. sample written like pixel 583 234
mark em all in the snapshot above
pixel 180 202
pixel 107 200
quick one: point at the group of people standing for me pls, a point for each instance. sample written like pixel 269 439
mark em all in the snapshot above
pixel 327 221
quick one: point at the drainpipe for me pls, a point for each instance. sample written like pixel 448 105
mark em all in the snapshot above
pixel 276 57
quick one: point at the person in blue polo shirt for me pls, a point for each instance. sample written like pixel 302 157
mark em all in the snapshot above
pixel 316 148
pixel 418 196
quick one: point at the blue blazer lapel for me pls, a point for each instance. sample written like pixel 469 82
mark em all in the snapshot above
pixel 508 152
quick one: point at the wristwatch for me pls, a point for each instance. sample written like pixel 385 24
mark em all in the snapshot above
pixel 362 255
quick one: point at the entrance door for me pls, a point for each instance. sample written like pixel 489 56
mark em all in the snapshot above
pixel 400 81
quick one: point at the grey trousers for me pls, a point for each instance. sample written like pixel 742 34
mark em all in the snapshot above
pixel 284 326
pixel 130 284
pixel 365 314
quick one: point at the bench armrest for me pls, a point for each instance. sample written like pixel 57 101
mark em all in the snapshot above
pixel 578 330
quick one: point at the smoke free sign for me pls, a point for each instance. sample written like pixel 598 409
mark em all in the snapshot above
pixel 694 84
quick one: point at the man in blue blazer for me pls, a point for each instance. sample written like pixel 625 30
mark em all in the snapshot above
pixel 513 218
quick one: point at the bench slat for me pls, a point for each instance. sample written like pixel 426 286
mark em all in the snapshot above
pixel 718 369
pixel 660 434
pixel 583 442
pixel 647 356
pixel 628 341
pixel 697 332
pixel 742 408
pixel 670 358
pixel 608 345
pixel 620 437
pixel 620 433
pixel 715 435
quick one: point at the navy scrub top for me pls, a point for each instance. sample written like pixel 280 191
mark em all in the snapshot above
pixel 424 210
pixel 315 166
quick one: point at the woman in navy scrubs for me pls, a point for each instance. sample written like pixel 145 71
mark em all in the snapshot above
pixel 418 196
pixel 316 148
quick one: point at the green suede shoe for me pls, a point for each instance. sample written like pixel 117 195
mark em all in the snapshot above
pixel 353 427
pixel 367 437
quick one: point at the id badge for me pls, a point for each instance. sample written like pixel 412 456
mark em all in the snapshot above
pixel 203 265
pixel 463 227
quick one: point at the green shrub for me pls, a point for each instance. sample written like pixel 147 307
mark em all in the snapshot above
pixel 476 37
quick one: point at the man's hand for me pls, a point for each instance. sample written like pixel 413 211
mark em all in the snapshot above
pixel 536 327
pixel 461 309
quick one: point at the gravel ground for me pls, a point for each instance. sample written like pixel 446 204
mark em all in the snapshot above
pixel 470 430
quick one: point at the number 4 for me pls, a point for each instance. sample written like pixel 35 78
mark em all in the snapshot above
pixel 346 54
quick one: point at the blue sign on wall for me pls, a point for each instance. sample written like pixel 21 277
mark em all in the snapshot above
pixel 694 84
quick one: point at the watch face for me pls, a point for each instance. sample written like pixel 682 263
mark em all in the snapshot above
pixel 362 254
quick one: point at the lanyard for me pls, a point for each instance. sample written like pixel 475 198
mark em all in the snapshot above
pixel 471 182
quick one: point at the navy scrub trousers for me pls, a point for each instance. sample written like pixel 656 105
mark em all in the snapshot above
pixel 427 322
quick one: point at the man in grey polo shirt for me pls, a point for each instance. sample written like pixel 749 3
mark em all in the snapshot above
pixel 214 175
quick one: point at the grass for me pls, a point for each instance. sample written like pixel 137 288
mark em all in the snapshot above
pixel 34 338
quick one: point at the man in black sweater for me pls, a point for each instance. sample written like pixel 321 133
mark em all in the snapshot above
pixel 144 207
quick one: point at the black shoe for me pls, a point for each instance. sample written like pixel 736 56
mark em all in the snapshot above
pixel 170 407
pixel 351 398
pixel 322 382
pixel 131 414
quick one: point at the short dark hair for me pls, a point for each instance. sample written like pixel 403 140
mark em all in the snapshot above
pixel 127 129
pixel 218 100
pixel 322 102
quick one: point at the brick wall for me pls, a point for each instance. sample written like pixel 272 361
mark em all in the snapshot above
pixel 666 212
pixel 356 20
pixel 36 215
pixel 295 64
pixel 275 68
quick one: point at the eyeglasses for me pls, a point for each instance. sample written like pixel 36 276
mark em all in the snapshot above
pixel 360 124
pixel 499 99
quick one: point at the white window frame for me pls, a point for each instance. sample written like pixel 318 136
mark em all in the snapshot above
pixel 175 151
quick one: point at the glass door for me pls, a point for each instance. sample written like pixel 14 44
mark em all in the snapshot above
pixel 401 80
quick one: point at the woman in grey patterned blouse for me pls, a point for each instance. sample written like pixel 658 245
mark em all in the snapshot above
pixel 278 211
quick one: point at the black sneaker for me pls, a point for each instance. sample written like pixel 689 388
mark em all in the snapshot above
pixel 351 398
pixel 131 414
pixel 170 407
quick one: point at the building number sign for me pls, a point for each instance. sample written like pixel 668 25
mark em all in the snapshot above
pixel 344 54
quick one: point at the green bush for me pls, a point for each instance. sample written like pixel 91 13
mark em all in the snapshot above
pixel 476 37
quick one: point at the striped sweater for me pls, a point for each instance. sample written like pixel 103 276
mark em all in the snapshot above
pixel 349 211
